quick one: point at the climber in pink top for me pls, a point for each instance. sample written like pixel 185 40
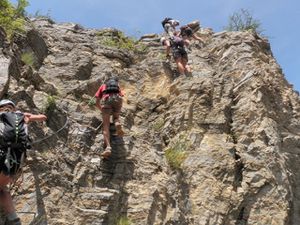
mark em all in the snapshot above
pixel 109 101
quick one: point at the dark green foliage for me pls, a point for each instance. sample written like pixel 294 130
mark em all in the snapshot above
pixel 20 9
pixel 12 17
pixel 243 21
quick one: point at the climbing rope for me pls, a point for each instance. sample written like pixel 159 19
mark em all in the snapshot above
pixel 54 133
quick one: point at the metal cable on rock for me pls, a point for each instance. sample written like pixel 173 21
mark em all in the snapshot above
pixel 54 133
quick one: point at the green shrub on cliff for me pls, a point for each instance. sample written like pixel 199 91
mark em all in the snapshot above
pixel 176 153
pixel 50 104
pixel 117 39
pixel 123 221
pixel 12 17
pixel 28 58
pixel 158 124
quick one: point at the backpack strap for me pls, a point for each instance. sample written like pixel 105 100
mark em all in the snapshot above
pixel 8 158
pixel 14 160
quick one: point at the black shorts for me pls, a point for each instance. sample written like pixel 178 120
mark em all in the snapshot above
pixel 179 53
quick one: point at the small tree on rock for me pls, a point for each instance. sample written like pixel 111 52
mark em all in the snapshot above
pixel 243 21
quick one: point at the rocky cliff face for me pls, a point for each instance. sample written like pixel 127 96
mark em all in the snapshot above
pixel 220 147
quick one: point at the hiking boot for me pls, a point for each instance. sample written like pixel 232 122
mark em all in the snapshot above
pixel 16 221
pixel 119 130
pixel 106 153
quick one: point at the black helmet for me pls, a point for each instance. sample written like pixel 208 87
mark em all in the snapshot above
pixel 4 102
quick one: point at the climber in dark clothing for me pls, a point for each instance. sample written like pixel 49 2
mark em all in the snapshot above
pixel 12 154
pixel 180 56
pixel 178 44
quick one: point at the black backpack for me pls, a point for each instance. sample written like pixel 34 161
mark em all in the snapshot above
pixel 14 141
pixel 112 86
pixel 166 20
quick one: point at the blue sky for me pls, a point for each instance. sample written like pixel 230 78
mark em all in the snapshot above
pixel 280 19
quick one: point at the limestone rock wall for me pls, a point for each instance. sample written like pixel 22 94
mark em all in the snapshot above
pixel 236 119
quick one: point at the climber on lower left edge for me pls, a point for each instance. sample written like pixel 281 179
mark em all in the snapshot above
pixel 109 102
pixel 14 142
